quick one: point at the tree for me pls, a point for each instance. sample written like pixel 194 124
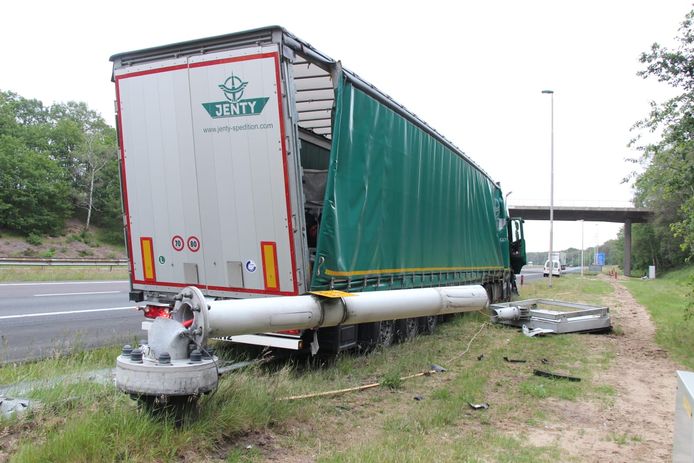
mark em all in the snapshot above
pixel 667 181
pixel 93 155
pixel 50 152
pixel 83 144
pixel 34 193
pixel 107 202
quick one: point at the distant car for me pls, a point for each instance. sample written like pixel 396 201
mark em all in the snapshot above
pixel 556 268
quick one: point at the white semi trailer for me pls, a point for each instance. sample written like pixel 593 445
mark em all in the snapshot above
pixel 257 174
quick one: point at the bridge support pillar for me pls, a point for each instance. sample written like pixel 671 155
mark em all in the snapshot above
pixel 627 247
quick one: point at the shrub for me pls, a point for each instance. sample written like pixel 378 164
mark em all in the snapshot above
pixel 392 380
pixel 48 254
pixel 34 239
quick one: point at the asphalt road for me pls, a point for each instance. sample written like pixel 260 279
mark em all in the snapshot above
pixel 529 274
pixel 39 320
pixel 535 273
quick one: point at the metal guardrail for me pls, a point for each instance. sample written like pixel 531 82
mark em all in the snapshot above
pixel 32 261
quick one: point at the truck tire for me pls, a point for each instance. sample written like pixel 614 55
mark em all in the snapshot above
pixel 490 292
pixel 427 325
pixel 386 333
pixel 406 329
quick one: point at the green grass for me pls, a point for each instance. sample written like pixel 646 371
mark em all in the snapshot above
pixel 481 446
pixel 101 424
pixel 31 273
pixel 666 298
pixel 624 438
pixel 86 422
pixel 80 361
pixel 574 288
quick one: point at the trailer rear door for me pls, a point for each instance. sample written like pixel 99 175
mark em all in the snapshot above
pixel 205 174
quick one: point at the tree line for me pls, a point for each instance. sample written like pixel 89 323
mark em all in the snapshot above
pixel 665 181
pixel 57 162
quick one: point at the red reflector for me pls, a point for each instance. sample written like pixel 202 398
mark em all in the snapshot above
pixel 292 332
pixel 153 311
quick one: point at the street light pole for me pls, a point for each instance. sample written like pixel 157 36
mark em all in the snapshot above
pixel 551 189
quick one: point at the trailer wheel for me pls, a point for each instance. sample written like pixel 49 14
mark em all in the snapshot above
pixel 406 329
pixel 386 333
pixel 490 292
pixel 507 290
pixel 427 325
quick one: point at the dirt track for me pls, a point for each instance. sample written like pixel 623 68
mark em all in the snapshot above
pixel 638 424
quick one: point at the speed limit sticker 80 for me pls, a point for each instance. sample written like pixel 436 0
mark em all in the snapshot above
pixel 193 243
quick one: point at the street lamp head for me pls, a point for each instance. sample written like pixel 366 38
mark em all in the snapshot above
pixel 548 91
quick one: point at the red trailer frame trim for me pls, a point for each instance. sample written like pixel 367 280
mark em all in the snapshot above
pixel 290 228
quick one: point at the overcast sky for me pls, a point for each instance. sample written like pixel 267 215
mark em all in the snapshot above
pixel 473 70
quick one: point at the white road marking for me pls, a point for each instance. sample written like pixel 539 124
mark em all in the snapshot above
pixel 37 283
pixel 46 314
pixel 77 294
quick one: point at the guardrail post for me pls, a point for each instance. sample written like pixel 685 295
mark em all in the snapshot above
pixel 627 247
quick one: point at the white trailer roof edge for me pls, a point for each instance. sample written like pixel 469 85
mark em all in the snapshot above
pixel 278 34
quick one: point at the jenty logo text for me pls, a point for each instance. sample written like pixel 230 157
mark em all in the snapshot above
pixel 236 106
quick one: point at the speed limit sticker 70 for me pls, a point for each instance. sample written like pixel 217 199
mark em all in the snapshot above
pixel 193 243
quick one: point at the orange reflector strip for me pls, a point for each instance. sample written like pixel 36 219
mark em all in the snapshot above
pixel 148 259
pixel 268 250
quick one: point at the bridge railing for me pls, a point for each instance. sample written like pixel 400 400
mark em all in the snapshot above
pixel 570 203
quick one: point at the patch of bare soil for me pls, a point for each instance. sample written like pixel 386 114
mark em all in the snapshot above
pixel 638 424
pixel 10 439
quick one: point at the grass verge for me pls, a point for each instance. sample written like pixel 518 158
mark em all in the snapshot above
pixel 245 420
pixel 83 360
pixel 32 273
pixel 667 299
pixel 587 290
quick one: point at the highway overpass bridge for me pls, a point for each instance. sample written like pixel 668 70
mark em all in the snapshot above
pixel 625 215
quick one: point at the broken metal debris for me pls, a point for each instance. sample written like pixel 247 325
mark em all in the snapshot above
pixel 536 331
pixel 10 407
pixel 418 398
pixel 548 374
pixel 438 368
pixel 482 406
pixel 570 318
pixel 509 360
